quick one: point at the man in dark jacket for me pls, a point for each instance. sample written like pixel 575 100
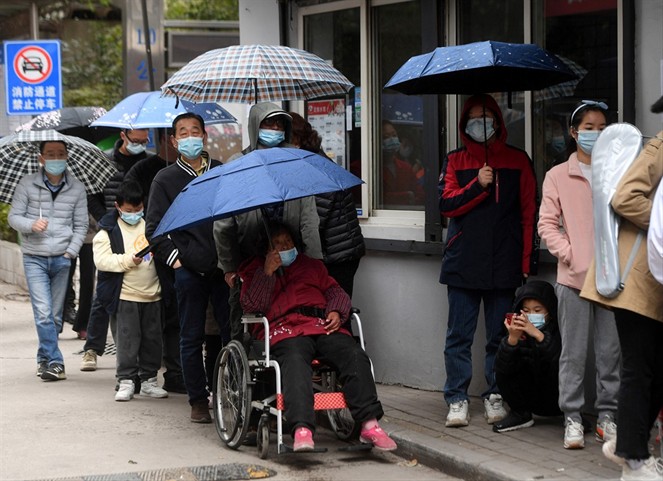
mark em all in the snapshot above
pixel 527 362
pixel 191 253
pixel 129 149
pixel 488 189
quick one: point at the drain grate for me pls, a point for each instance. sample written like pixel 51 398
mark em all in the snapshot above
pixel 215 472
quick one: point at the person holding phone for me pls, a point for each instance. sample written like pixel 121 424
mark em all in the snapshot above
pixel 527 361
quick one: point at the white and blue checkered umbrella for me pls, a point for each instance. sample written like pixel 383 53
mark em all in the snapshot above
pixel 19 156
pixel 256 73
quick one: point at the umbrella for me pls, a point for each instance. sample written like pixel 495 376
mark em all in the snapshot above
pixel 147 110
pixel 259 178
pixel 480 67
pixel 71 121
pixel 19 156
pixel 256 73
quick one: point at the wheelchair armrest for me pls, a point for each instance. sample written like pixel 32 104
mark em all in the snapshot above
pixel 354 310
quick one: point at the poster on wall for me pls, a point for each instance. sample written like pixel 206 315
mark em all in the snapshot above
pixel 328 118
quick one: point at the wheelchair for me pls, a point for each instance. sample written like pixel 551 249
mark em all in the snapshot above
pixel 245 370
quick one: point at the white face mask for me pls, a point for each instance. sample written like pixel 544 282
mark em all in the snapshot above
pixel 475 129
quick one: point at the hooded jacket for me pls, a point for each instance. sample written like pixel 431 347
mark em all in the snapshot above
pixel 539 358
pixel 490 239
pixel 257 114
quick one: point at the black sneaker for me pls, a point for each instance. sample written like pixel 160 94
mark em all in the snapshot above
pixel 514 420
pixel 54 372
pixel 41 368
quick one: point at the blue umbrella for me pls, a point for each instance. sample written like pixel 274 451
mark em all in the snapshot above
pixel 259 178
pixel 480 67
pixel 149 110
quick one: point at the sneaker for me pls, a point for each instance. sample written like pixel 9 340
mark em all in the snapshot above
pixel 200 412
pixel 609 452
pixel 606 429
pixel 126 390
pixel 459 414
pixel 378 437
pixel 82 335
pixel 574 435
pixel 54 372
pixel 89 362
pixel 650 470
pixel 493 408
pixel 514 420
pixel 303 440
pixel 150 388
pixel 41 367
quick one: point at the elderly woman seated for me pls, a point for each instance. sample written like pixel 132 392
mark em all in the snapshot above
pixel 306 309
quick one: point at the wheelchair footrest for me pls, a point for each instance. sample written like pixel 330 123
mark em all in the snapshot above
pixel 288 449
pixel 357 447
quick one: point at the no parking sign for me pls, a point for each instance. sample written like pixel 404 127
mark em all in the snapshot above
pixel 33 78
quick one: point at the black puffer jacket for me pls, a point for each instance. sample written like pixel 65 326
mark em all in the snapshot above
pixel 542 357
pixel 340 233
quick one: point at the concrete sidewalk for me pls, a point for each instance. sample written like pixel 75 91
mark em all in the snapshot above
pixel 415 418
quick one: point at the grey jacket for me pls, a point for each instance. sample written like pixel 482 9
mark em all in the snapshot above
pixel 67 216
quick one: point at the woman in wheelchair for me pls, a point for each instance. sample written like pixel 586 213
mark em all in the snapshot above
pixel 306 309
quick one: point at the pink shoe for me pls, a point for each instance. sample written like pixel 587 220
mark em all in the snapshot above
pixel 379 438
pixel 303 440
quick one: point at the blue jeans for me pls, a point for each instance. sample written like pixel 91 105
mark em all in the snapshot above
pixel 47 279
pixel 194 293
pixel 462 324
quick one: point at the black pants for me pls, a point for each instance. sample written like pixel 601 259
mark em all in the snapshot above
pixel 87 274
pixel 528 391
pixel 641 388
pixel 344 274
pixel 340 351
pixel 171 340
pixel 97 328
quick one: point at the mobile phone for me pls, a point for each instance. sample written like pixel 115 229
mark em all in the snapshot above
pixel 509 317
pixel 143 252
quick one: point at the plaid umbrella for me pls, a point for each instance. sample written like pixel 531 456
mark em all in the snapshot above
pixel 256 73
pixel 19 156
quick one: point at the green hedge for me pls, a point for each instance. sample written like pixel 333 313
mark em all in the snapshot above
pixel 6 232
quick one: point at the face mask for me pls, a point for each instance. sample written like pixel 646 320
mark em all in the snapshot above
pixel 55 166
pixel 190 147
pixel 270 138
pixel 135 149
pixel 131 218
pixel 391 144
pixel 288 257
pixel 587 139
pixel 558 144
pixel 474 129
pixel 537 320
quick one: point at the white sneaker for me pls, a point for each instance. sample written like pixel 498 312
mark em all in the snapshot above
pixel 606 429
pixel 125 390
pixel 650 470
pixel 89 362
pixel 150 388
pixel 459 414
pixel 494 408
pixel 609 452
pixel 574 435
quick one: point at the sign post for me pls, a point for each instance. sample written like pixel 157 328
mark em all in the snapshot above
pixel 33 77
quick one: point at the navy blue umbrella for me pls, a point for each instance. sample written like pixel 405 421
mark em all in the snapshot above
pixel 480 67
pixel 257 179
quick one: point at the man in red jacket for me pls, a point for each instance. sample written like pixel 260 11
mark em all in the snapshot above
pixel 488 189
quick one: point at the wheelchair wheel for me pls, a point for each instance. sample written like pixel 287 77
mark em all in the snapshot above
pixel 232 395
pixel 340 420
pixel 262 440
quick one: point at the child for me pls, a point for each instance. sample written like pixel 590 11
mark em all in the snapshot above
pixel 527 361
pixel 129 290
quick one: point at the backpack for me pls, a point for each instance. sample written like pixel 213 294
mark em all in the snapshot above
pixel 614 152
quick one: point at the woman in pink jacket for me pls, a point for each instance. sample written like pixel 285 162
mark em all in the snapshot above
pixel 567 227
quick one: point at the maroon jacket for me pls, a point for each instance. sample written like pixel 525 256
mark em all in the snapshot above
pixel 306 283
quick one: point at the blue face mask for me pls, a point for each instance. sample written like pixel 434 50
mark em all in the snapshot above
pixel 131 218
pixel 587 139
pixel 391 144
pixel 558 144
pixel 537 320
pixel 288 257
pixel 474 129
pixel 270 138
pixel 55 166
pixel 190 147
